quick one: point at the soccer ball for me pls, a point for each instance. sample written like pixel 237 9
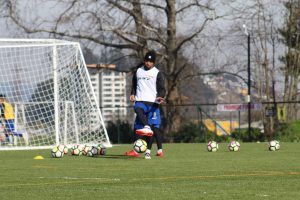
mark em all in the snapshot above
pixel 65 148
pixel 92 151
pixel 102 151
pixel 57 151
pixel 234 146
pixel 212 146
pixel 274 145
pixel 140 146
pixel 76 150
pixel 85 150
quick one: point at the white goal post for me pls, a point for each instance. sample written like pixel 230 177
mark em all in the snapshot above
pixel 48 85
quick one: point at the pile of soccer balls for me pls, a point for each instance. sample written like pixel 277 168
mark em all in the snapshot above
pixel 78 150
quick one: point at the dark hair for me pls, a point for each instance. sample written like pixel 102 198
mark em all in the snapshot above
pixel 2 96
pixel 150 56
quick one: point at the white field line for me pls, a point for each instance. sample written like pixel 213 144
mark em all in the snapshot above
pixel 68 180
pixel 81 178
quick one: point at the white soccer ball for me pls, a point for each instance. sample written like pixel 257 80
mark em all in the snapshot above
pixel 102 150
pixel 85 150
pixel 234 146
pixel 57 151
pixel 65 148
pixel 274 145
pixel 76 150
pixel 140 146
pixel 92 151
pixel 212 146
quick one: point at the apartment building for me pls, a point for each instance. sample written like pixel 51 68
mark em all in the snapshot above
pixel 110 90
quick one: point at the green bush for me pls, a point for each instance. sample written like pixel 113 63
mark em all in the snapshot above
pixel 193 133
pixel 188 133
pixel 289 132
pixel 243 135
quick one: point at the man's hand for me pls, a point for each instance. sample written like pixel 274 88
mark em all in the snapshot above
pixel 132 98
pixel 160 99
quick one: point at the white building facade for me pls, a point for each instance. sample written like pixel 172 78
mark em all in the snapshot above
pixel 110 90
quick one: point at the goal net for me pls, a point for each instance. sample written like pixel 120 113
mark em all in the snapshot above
pixel 47 84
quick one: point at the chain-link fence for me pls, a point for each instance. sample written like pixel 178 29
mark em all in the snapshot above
pixel 202 122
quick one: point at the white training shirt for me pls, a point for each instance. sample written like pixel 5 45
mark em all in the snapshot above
pixel 146 84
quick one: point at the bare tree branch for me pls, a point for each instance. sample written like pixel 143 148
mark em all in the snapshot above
pixel 217 73
pixel 195 4
pixel 63 14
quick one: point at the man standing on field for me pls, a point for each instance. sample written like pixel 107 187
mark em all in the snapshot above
pixel 148 91
pixel 7 114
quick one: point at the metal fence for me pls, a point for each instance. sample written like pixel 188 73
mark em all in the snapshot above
pixel 203 121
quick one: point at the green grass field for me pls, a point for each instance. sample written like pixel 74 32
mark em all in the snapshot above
pixel 187 171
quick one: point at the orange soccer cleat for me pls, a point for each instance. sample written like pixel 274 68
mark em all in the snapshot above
pixel 160 154
pixel 146 131
pixel 132 153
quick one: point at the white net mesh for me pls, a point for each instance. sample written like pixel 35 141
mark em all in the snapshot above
pixel 48 86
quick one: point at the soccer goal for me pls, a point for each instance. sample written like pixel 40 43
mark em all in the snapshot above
pixel 48 86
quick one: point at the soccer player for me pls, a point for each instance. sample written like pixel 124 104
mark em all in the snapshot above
pixel 7 114
pixel 148 91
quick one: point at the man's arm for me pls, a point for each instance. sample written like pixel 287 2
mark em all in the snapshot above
pixel 133 87
pixel 160 87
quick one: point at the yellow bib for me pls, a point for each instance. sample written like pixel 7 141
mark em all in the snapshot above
pixel 8 111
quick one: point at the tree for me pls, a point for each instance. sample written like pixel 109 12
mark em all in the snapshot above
pixel 135 26
pixel 263 21
pixel 291 39
pixel 264 54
